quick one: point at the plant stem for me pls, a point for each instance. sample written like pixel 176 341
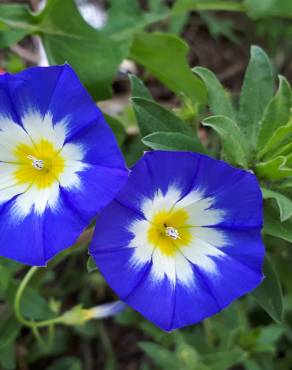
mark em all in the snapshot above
pixel 17 308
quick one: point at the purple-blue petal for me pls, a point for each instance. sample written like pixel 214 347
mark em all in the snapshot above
pixel 238 269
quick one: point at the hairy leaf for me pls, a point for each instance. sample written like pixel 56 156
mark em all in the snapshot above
pixel 152 117
pixel 274 227
pixel 274 169
pixel 277 113
pixel 256 93
pixel 173 141
pixel 281 136
pixel 234 144
pixel 283 202
pixel 269 294
pixel 138 88
pixel 218 99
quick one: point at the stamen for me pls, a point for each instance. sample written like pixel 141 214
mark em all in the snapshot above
pixel 38 164
pixel 172 232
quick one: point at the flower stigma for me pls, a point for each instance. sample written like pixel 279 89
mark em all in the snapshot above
pixel 38 164
pixel 171 232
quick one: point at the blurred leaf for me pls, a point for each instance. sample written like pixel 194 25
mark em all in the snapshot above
pixel 219 27
pixel 277 113
pixel 5 276
pixel 117 128
pixel 234 144
pixel 284 203
pixel 274 227
pixel 224 360
pixel 133 150
pixel 94 56
pixel 91 265
pixel 66 363
pixel 138 89
pixel 177 23
pixel 7 357
pixel 8 331
pixel 283 150
pixel 33 305
pixel 182 6
pixel 256 93
pixel 187 356
pixel 286 184
pixel 268 8
pixel 173 141
pixel 18 21
pixel 164 54
pixel 125 17
pixel 270 334
pixel 160 355
pixel 269 294
pixel 218 99
pixel 14 63
pixel 153 117
pixel 274 169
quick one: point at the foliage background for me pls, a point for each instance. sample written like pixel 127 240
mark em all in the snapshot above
pixel 247 124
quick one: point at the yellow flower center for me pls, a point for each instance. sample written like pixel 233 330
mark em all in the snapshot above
pixel 39 164
pixel 169 230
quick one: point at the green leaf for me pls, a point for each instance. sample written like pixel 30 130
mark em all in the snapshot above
pixel 283 150
pixel 218 99
pixel 152 117
pixel 187 355
pixel 269 294
pixel 17 22
pixel 138 88
pixel 173 141
pixel 9 331
pixel 165 57
pixel 257 91
pixel 270 335
pixel 161 356
pixel 219 27
pixel 125 17
pixel 117 128
pixel 34 306
pixel 277 113
pixel 66 363
pixel 283 202
pixel 91 265
pixel 274 169
pixel 274 227
pixel 6 275
pixel 272 8
pixel 8 357
pixel 182 6
pixel 234 144
pixel 224 360
pixel 278 139
pixel 94 56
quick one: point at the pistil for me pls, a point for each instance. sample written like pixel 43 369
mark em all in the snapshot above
pixel 172 233
pixel 38 164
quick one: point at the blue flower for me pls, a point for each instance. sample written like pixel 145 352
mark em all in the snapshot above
pixel 59 163
pixel 182 239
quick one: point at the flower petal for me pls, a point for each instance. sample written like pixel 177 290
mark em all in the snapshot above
pixel 218 260
pixel 49 123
